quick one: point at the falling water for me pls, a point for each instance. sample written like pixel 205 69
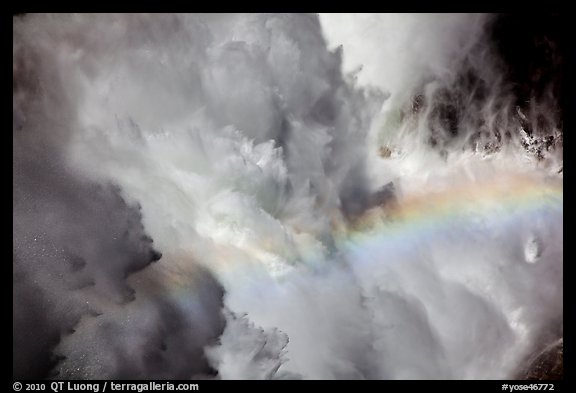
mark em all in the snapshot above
pixel 279 196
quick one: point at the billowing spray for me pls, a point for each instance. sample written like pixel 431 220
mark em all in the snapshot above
pixel 309 219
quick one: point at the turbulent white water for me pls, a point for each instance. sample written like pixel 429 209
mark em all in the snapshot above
pixel 257 153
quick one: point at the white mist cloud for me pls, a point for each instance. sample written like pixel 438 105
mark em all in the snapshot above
pixel 254 156
pixel 246 352
pixel 399 52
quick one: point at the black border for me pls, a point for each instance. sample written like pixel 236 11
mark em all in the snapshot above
pixel 569 176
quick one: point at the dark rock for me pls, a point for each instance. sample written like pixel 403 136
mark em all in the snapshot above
pixel 547 364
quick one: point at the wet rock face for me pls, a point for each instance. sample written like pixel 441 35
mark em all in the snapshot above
pixel 533 48
pixel 526 92
pixel 546 365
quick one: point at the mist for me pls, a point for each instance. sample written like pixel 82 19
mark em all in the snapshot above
pixel 281 196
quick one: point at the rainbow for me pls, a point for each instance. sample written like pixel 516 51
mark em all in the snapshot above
pixel 415 216
pixel 431 209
